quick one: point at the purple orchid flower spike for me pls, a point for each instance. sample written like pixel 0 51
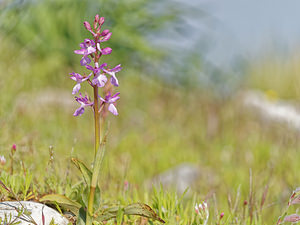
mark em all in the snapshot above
pixel 84 102
pixel 111 100
pixel 87 48
pixel 79 79
pixel 99 79
pixel 113 72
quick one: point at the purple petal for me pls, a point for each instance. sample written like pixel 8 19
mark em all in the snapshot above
pixel 76 77
pixel 73 78
pixel 90 50
pixel 116 69
pixel 103 65
pixel 101 21
pixel 76 88
pixel 82 45
pixel 108 96
pixel 80 51
pixel 113 109
pixel 100 81
pixel 84 79
pixel 106 37
pixel 79 111
pixel 85 60
pixel 104 32
pixel 114 80
pixel 89 67
pixel 114 98
pixel 87 25
pixel 106 51
pixel 102 99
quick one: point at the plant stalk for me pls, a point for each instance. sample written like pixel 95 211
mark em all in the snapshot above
pixel 89 212
pixel 96 120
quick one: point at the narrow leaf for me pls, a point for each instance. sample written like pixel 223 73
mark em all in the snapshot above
pixel 120 215
pixel 138 209
pixel 3 185
pixel 81 217
pixel 63 201
pixel 107 214
pixel 86 173
pixel 141 209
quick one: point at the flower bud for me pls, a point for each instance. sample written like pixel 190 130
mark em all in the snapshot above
pixel 126 185
pixel 295 200
pixel 13 148
pixel 221 215
pixel 97 17
pixel 98 31
pixel 295 197
pixel 96 21
pixel 87 26
pixel 104 32
pixel 106 37
pixel 106 51
pixel 292 218
pixel 101 21
pixel 2 160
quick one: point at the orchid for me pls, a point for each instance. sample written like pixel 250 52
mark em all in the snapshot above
pixel 113 72
pixel 111 100
pixel 99 79
pixel 79 79
pixel 87 48
pixel 91 51
pixel 84 102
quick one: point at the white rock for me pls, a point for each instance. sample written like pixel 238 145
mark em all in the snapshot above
pixel 181 177
pixel 275 111
pixel 25 211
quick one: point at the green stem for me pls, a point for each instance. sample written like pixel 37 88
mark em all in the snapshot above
pixel 89 212
pixel 96 121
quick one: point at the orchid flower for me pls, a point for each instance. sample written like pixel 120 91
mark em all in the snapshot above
pixel 111 100
pixel 113 72
pixel 84 102
pixel 79 79
pixel 87 48
pixel 99 79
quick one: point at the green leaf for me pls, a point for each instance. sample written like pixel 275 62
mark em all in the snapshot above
pixel 138 209
pixel 86 173
pixel 81 218
pixel 120 215
pixel 97 200
pixel 107 214
pixel 63 201
pixel 142 209
pixel 97 197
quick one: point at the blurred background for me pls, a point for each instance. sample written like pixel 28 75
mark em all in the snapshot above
pixel 212 84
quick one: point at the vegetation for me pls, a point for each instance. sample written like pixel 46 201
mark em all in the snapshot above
pixel 248 168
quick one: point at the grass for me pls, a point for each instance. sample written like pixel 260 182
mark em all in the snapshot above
pixel 159 127
pixel 248 168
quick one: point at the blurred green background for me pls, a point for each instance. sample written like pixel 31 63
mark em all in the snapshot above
pixel 175 106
